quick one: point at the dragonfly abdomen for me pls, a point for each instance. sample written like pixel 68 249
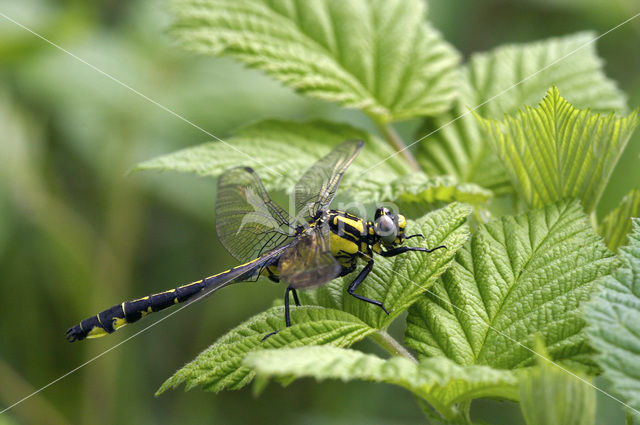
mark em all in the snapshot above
pixel 111 319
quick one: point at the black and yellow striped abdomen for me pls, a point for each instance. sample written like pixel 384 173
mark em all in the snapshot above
pixel 111 319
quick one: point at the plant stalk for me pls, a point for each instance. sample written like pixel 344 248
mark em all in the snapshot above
pixel 394 139
pixel 465 412
pixel 391 346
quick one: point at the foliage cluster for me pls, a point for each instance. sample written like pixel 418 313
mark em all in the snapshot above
pixel 505 310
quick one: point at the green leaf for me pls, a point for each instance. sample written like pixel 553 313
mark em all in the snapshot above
pixel 516 278
pixel 439 381
pixel 453 145
pixel 460 150
pixel 617 223
pixel 576 69
pixel 613 317
pixel 555 151
pixel 281 151
pixel 399 281
pixel 553 396
pixel 379 56
pixel 220 366
pixel 420 189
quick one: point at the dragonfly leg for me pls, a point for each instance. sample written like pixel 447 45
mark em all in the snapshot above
pixel 295 295
pixel 358 280
pixel 402 249
pixel 287 315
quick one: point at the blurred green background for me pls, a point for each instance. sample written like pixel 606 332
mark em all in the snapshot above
pixel 78 234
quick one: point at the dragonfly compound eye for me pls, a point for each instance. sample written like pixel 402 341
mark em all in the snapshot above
pixel 386 229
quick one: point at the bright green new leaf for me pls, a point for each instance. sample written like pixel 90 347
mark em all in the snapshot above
pixel 518 277
pixel 553 396
pixel 613 317
pixel 220 366
pixel 399 281
pixel 459 148
pixel 379 56
pixel 617 223
pixel 281 151
pixel 555 151
pixel 439 381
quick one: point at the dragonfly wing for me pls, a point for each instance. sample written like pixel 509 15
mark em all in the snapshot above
pixel 318 185
pixel 308 261
pixel 248 222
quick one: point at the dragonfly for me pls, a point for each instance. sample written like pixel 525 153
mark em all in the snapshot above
pixel 315 246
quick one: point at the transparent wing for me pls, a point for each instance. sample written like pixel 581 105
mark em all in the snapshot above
pixel 248 222
pixel 318 185
pixel 308 261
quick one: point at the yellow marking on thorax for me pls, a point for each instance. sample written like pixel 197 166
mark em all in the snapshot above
pixel 344 261
pixel 357 223
pixel 341 245
pixel 271 270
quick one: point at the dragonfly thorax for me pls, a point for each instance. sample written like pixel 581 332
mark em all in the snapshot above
pixel 353 236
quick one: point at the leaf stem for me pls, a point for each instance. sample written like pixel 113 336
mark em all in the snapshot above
pixel 594 221
pixel 389 133
pixel 393 347
pixel 465 411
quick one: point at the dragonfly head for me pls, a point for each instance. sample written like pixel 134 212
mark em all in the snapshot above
pixel 389 227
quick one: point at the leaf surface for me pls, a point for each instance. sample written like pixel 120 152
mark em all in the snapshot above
pixel 220 366
pixel 617 224
pixel 518 277
pixel 550 395
pixel 613 317
pixel 555 151
pixel 439 381
pixel 280 152
pixel 379 56
pixel 460 150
